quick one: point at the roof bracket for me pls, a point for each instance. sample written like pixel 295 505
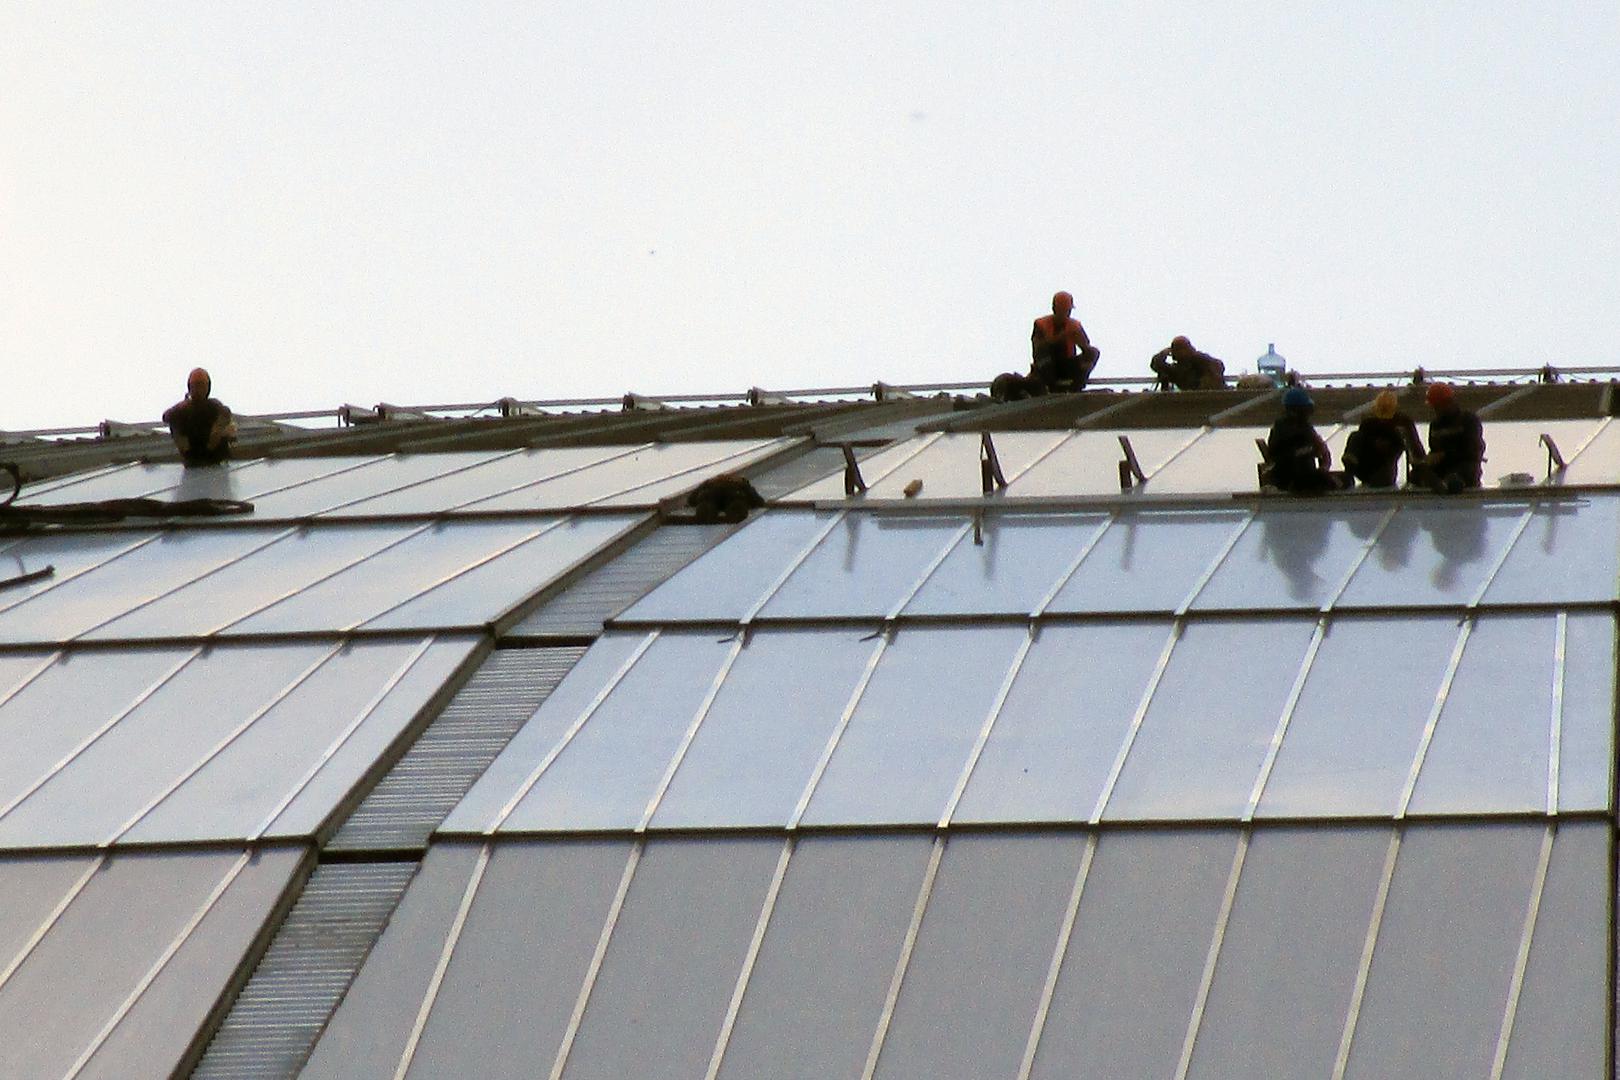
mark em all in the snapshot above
pixel 853 481
pixel 882 391
pixel 1129 468
pixel 1555 460
pixel 634 402
pixel 118 429
pixel 989 465
pixel 511 406
pixel 760 396
pixel 351 415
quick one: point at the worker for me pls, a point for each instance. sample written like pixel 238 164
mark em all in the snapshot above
pixel 1300 460
pixel 1184 367
pixel 1456 443
pixel 201 425
pixel 1374 449
pixel 1061 354
pixel 1061 357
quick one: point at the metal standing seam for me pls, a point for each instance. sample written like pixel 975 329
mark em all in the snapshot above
pixel 1522 958
pixel 573 730
pixel 1369 945
pixel 907 946
pixel 1212 957
pixel 750 958
pixel 219 748
pixel 446 579
pixel 1060 952
pixel 838 732
pixel 594 968
pixel 157 967
pixel 702 713
pixel 85 744
pixel 451 939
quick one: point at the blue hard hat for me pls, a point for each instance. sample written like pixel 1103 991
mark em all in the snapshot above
pixel 1296 398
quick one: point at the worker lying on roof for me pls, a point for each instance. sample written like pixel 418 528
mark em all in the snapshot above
pixel 1299 458
pixel 1374 449
pixel 1185 368
pixel 201 425
pixel 1061 357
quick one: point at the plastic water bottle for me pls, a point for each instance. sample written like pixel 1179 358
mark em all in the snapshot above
pixel 1272 366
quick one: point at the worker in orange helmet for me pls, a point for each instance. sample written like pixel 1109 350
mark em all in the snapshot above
pixel 201 425
pixel 1456 443
pixel 1061 357
pixel 1061 353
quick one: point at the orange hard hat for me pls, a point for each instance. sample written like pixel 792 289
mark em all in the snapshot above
pixel 1440 396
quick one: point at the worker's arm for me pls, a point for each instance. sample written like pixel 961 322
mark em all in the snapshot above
pixel 223 429
pixel 1323 454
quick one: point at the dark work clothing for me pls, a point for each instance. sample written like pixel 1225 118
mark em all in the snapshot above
pixel 1374 449
pixel 1197 371
pixel 1299 457
pixel 193 423
pixel 1456 450
pixel 1011 386
pixel 1061 354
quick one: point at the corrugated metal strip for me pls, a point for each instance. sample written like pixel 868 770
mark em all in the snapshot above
pixel 582 607
pixel 425 785
pixel 313 958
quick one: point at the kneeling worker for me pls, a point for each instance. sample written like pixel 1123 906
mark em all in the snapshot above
pixel 1299 457
pixel 1374 449
pixel 201 425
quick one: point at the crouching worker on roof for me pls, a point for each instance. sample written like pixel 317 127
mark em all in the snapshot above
pixel 1061 357
pixel 1185 368
pixel 1299 457
pixel 1456 444
pixel 201 425
pixel 1374 449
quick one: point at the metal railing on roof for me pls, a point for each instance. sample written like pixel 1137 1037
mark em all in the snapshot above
pixel 512 408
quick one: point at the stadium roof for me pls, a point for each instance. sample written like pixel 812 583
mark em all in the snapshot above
pixel 464 750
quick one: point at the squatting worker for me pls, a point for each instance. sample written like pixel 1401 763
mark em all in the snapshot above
pixel 1456 443
pixel 201 425
pixel 1374 449
pixel 1061 354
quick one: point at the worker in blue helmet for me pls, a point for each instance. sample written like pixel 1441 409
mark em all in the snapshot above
pixel 1300 460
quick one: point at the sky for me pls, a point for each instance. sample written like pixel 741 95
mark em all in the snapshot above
pixel 433 203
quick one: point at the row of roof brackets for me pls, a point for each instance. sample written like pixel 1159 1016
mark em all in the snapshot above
pixel 853 482
pixel 1129 468
pixel 1555 460
pixel 989 465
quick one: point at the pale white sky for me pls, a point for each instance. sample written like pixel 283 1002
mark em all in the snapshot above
pixel 330 202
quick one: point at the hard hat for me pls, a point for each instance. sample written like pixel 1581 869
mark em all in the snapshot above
pixel 1440 396
pixel 1296 398
pixel 1384 405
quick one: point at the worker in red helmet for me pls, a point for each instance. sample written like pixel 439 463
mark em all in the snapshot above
pixel 1185 368
pixel 1456 454
pixel 201 425
pixel 1061 357
pixel 1061 353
